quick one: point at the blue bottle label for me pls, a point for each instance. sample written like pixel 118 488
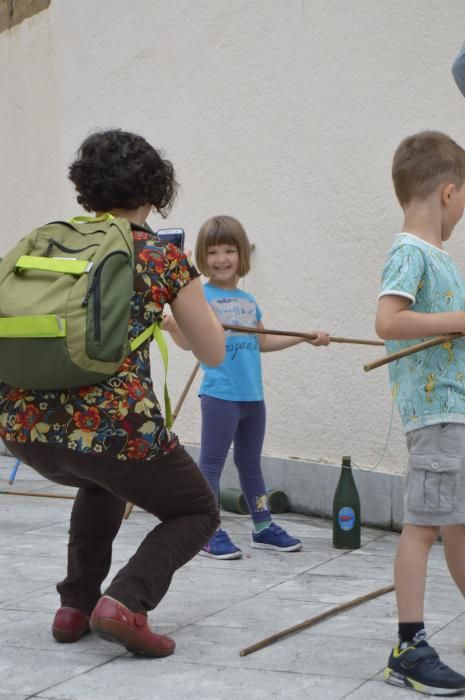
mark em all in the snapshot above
pixel 346 518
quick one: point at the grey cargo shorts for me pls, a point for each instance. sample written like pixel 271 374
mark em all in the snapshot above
pixel 434 489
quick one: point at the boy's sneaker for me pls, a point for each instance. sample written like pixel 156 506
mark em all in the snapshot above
pixel 220 547
pixel 274 537
pixel 419 667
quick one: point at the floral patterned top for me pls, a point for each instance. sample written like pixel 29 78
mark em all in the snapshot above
pixel 120 416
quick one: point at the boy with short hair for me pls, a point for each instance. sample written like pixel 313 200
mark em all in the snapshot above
pixel 422 295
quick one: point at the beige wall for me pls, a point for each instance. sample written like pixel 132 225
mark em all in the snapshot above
pixel 284 113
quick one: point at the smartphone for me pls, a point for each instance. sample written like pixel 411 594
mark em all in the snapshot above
pixel 172 235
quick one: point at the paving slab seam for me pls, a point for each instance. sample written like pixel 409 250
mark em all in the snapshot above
pixel 444 626
pixel 339 555
pixel 43 697
pixel 303 573
pixel 39 528
pixel 215 612
pixel 351 692
pixel 32 554
pixel 72 677
pixel 387 579
pixel 64 521
pixel 42 583
pixel 44 587
pixel 74 651
pixel 279 554
pixel 307 674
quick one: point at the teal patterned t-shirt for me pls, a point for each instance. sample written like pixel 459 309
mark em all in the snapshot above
pixel 428 386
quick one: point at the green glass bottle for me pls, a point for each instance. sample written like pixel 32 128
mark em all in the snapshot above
pixel 346 510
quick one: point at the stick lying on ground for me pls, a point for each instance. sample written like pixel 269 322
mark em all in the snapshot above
pixel 315 620
pixel 130 506
pixel 411 350
pixel 37 494
pixel 298 334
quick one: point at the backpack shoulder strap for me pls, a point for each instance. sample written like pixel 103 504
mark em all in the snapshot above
pixel 155 331
pixel 123 226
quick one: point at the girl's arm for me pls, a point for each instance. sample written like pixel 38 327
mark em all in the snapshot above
pixel 394 320
pixel 198 324
pixel 271 343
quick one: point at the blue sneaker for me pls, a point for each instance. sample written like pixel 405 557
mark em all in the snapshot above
pixel 274 537
pixel 419 668
pixel 220 547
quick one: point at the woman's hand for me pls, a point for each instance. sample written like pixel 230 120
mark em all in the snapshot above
pixel 322 338
pixel 168 323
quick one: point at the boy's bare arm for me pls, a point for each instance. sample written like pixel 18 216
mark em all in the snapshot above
pixel 394 320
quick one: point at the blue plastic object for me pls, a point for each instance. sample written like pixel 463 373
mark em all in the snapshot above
pixel 14 471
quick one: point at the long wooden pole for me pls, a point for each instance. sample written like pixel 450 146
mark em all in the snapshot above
pixel 299 334
pixel 438 340
pixel 185 391
pixel 315 620
pixel 129 506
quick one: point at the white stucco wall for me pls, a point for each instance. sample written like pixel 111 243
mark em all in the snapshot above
pixel 283 113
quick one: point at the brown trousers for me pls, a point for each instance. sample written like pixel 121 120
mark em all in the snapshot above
pixel 170 487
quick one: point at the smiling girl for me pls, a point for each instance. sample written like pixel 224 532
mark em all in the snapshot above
pixel 231 394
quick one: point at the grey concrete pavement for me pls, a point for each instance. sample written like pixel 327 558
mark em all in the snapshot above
pixel 212 610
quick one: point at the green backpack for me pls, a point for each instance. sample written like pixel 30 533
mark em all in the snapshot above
pixel 65 292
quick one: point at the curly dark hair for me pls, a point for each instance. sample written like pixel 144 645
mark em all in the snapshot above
pixel 117 169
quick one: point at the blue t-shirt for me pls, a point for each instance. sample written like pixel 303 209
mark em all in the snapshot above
pixel 239 377
pixel 428 386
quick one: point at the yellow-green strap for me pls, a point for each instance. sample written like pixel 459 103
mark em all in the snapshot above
pixel 155 331
pixel 32 327
pixel 90 219
pixel 145 335
pixel 160 341
pixel 66 266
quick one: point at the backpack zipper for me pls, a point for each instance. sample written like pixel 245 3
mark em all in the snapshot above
pixel 52 242
pixel 94 291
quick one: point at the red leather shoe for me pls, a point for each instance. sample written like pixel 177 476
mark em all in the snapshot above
pixel 70 625
pixel 116 623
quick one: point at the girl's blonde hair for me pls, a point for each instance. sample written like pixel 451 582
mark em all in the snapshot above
pixel 221 230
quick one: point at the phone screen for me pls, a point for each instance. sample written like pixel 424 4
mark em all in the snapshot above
pixel 172 235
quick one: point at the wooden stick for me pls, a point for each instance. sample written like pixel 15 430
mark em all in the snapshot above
pixel 128 510
pixel 185 391
pixel 130 506
pixel 411 350
pixel 298 334
pixel 315 620
pixel 37 494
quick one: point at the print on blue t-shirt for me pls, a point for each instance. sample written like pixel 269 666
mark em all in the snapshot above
pixel 239 377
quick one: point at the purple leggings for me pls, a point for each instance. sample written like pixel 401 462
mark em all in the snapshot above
pixel 241 422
